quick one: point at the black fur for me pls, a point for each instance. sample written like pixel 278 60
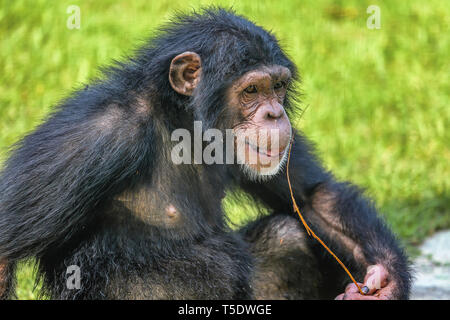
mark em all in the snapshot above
pixel 60 191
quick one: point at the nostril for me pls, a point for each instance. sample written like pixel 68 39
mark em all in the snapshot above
pixel 271 115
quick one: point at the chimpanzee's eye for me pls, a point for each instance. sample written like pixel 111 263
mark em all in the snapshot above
pixel 251 89
pixel 279 85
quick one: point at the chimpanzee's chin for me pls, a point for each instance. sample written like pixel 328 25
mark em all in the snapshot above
pixel 261 173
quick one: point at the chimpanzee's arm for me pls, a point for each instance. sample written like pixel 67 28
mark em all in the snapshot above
pixel 341 216
pixel 58 174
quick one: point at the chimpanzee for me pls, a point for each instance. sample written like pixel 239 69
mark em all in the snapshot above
pixel 95 186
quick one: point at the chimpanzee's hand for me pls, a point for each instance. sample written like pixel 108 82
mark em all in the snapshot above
pixel 377 286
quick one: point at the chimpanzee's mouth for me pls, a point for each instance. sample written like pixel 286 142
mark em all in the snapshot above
pixel 266 153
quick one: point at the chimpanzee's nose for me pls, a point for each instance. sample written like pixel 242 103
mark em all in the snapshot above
pixel 274 111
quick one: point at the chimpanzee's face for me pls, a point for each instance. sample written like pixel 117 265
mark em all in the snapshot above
pixel 262 138
pixel 262 130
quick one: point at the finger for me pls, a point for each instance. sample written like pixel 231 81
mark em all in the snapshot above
pixel 387 293
pixel 358 296
pixel 352 288
pixel 376 278
pixel 340 297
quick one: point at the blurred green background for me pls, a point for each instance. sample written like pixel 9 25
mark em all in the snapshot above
pixel 377 99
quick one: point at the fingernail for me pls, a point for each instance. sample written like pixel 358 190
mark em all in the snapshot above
pixel 365 289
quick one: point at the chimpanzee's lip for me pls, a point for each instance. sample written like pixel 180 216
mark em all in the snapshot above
pixel 265 153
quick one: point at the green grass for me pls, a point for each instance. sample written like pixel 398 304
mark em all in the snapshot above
pixel 378 100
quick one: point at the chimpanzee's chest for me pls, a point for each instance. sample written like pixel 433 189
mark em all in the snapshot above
pixel 179 200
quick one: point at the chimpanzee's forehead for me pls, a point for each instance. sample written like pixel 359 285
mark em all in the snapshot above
pixel 271 72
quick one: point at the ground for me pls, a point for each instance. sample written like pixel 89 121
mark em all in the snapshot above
pixel 433 269
pixel 376 100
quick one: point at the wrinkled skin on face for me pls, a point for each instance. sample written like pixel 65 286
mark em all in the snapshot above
pixel 262 138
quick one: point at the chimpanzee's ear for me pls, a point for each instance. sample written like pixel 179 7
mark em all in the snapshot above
pixel 185 72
